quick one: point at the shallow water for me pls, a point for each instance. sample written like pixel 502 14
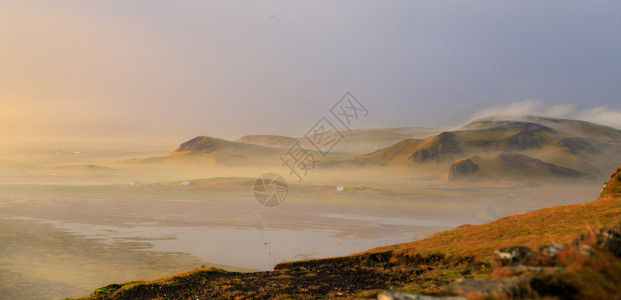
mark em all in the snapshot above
pixel 79 239
pixel 253 248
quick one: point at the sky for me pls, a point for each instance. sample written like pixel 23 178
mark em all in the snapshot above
pixel 83 70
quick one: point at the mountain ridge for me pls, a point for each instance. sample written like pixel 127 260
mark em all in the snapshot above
pixel 576 145
pixel 581 146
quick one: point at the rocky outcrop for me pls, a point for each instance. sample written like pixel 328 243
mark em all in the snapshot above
pixel 511 166
pixel 607 239
pixel 527 135
pixel 203 144
pixel 462 169
pixel 580 146
pixel 526 274
pixel 551 251
pixel 527 164
pixel 514 287
pixel 478 286
pixel 529 139
pixel 613 186
pixel 444 144
pixel 516 256
pixel 398 295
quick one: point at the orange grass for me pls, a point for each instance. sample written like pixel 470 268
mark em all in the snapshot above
pixel 559 224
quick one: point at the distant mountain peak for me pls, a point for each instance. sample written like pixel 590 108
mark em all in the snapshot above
pixel 203 144
pixel 551 147
pixel 270 140
pixel 209 150
pixel 508 125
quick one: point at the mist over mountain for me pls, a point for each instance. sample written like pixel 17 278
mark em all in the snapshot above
pixel 493 148
pixel 577 147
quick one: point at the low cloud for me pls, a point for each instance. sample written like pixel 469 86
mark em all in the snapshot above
pixel 515 109
pixel 599 115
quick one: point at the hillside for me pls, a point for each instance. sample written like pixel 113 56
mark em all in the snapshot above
pixel 434 264
pixel 260 150
pixel 357 141
pixel 580 146
pixel 204 150
pixel 511 166
pixel 268 140
pixel 548 148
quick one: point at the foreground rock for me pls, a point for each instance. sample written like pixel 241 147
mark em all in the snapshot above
pixel 397 295
pixel 517 256
pixel 551 272
pixel 479 287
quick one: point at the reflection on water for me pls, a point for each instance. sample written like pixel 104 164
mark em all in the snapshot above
pixel 394 221
pixel 114 235
pixel 253 248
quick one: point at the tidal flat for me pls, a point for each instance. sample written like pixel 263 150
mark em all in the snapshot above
pixel 64 241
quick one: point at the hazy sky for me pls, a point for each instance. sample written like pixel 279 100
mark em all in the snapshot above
pixel 177 69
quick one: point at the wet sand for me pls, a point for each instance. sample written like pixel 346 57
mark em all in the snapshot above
pixel 60 241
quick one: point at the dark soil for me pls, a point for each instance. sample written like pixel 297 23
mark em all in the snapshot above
pixel 343 277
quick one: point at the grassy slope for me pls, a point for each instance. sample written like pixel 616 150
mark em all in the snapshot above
pixel 420 266
pixel 559 224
